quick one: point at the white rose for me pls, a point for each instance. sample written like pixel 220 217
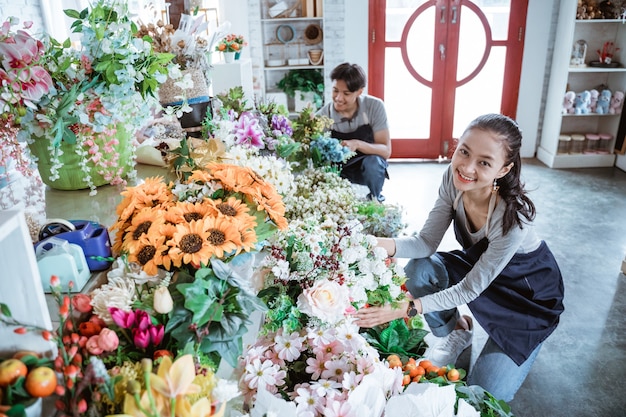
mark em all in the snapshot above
pixel 326 300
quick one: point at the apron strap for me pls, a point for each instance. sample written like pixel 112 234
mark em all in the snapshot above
pixel 492 205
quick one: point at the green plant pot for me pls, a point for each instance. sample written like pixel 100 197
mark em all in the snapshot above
pixel 71 175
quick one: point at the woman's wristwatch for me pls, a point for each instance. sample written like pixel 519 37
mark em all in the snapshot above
pixel 411 311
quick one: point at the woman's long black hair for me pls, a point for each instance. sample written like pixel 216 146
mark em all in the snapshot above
pixel 518 205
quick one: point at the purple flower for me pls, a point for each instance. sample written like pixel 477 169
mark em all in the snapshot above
pixel 124 319
pixel 281 125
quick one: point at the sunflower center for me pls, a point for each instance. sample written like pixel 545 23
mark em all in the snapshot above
pixel 192 216
pixel 146 254
pixel 216 237
pixel 141 229
pixel 227 209
pixel 190 243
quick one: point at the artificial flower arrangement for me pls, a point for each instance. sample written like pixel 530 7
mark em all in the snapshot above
pixel 24 82
pixel 98 374
pixel 231 43
pixel 203 229
pixel 241 134
pixel 81 132
pixel 323 195
pixel 309 352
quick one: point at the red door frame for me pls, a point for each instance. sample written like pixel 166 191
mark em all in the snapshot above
pixel 444 72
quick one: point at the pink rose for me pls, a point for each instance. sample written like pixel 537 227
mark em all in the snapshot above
pixel 326 300
pixel 108 340
pixel 82 303
pixel 92 345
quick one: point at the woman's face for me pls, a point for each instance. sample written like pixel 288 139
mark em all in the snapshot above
pixel 344 99
pixel 478 159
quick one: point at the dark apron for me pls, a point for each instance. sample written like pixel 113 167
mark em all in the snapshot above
pixel 364 133
pixel 521 307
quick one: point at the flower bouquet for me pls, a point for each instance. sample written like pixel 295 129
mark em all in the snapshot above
pixel 98 375
pixel 202 229
pixel 81 133
pixel 231 43
pixel 322 272
pixel 24 82
pixel 315 371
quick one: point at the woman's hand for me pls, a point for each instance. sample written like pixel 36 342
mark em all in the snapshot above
pixel 374 316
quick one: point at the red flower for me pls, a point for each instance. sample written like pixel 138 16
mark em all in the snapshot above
pixel 89 329
pixel 82 303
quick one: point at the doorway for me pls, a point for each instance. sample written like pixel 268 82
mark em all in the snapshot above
pixel 438 64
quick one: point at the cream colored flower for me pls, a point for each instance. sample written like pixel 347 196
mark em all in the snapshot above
pixel 163 302
pixel 326 300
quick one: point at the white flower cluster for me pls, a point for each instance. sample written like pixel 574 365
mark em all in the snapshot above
pixel 337 267
pixel 322 196
pixel 274 170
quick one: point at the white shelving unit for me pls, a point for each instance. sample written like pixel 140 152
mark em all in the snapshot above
pixel 564 77
pixel 285 46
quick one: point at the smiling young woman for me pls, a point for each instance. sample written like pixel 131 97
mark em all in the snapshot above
pixel 506 275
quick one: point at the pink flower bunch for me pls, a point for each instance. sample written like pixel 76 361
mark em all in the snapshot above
pixel 144 334
pixel 248 132
pixel 316 368
pixel 23 82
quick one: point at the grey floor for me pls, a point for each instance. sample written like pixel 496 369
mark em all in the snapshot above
pixel 581 214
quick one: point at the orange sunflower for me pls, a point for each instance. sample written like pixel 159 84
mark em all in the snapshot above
pixel 184 211
pixel 146 219
pixel 163 257
pixel 149 246
pixel 152 193
pixel 223 236
pixel 190 245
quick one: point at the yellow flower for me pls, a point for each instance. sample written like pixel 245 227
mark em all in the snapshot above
pixel 190 245
pixel 174 380
pixel 147 249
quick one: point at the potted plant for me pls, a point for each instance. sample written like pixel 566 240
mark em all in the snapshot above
pixel 81 133
pixel 305 85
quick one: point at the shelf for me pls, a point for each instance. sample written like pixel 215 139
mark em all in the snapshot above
pixel 290 67
pixel 591 115
pixel 287 19
pixel 599 21
pixel 575 161
pixel 596 69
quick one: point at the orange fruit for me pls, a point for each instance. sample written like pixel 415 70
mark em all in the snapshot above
pixel 417 378
pixel 432 368
pixel 425 364
pixel 412 369
pixel 406 380
pixel 41 382
pixel 395 364
pixel 442 371
pixel 393 357
pixel 453 375
pixel 11 370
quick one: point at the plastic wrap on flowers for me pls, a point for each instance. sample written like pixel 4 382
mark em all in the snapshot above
pixel 316 368
pixel 102 157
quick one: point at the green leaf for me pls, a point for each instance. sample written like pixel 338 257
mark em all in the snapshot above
pixel 5 310
pixel 74 14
